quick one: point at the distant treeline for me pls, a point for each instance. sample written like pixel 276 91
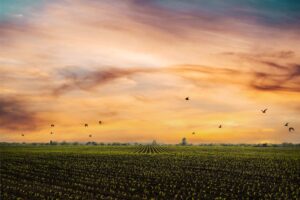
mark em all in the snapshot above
pixel 54 143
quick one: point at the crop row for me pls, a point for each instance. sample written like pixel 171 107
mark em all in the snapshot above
pixel 150 149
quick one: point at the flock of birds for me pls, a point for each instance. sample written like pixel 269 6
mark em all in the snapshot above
pixel 85 125
pixel 264 111
pixel 286 124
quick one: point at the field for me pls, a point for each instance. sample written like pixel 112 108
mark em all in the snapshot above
pixel 134 172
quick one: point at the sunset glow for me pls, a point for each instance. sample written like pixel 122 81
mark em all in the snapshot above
pixel 131 63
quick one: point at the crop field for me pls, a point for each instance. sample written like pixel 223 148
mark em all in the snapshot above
pixel 147 172
pixel 150 149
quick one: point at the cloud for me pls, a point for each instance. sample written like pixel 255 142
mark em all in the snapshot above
pixel 86 80
pixel 274 77
pixel 83 79
pixel 284 54
pixel 15 115
pixel 271 71
pixel 288 81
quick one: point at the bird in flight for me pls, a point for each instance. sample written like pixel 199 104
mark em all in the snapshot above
pixel 51 132
pixel 187 98
pixel 291 129
pixel 220 126
pixel 100 122
pixel 90 135
pixel 287 124
pixel 22 134
pixel 193 133
pixel 52 125
pixel 264 111
pixel 86 125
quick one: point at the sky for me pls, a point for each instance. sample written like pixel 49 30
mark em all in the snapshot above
pixel 132 63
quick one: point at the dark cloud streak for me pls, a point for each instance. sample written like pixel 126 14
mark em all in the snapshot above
pixel 91 79
pixel 15 115
pixel 271 75
pixel 286 79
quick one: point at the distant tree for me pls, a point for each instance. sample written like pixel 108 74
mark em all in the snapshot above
pixel 154 142
pixel 63 143
pixel 264 145
pixel 286 144
pixel 91 143
pixel 183 141
pixel 52 142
